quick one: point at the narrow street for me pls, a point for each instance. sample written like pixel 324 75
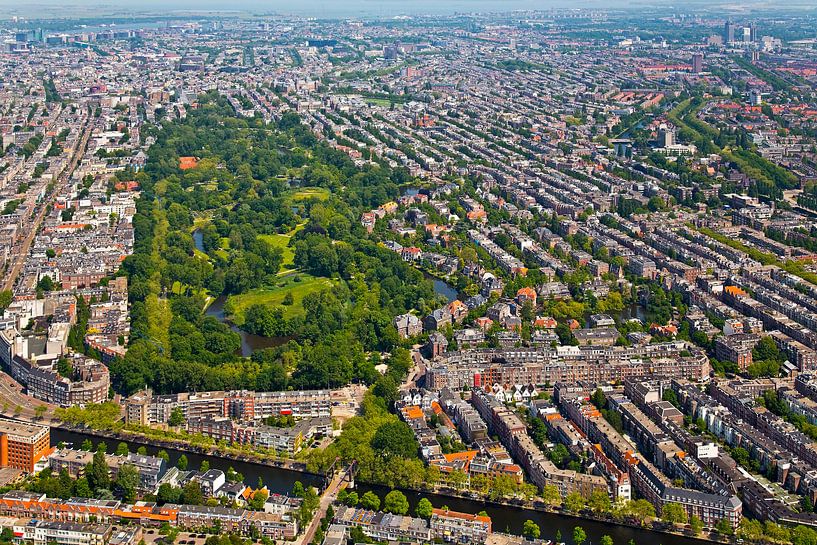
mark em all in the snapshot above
pixel 21 251
pixel 329 495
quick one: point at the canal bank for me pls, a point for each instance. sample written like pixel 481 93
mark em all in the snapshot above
pixel 280 477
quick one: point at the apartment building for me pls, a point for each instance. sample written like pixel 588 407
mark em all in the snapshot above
pixel 44 532
pixel 456 527
pixel 22 445
pixel 147 408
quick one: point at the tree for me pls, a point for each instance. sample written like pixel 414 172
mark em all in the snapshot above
pixel 551 495
pixel 352 499
pixel 182 462
pixel 531 530
pixel 641 510
pixel 39 411
pixel 574 502
pixel 606 540
pixel 142 450
pixel 579 535
pixel 163 455
pixel 724 528
pixel 6 297
pixel 395 439
pixel 122 449
pixel 192 494
pixel 205 466
pixel 127 481
pixel 370 501
pixel 176 417
pixel 396 502
pixel 168 493
pixel 258 500
pixel 599 502
pixel 696 524
pixel 424 509
pixel 87 446
pixel 559 454
pixel 99 475
pixel 82 489
pixel 674 513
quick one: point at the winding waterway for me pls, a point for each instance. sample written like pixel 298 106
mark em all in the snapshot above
pixel 505 518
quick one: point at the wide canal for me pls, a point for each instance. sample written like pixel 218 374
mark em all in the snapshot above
pixel 505 518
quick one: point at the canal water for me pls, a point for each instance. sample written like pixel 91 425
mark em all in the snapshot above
pixel 445 289
pixel 249 342
pixel 504 518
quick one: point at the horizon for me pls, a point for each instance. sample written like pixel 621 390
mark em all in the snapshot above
pixel 368 8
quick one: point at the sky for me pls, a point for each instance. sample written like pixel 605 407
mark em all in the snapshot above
pixel 318 8
pixel 346 8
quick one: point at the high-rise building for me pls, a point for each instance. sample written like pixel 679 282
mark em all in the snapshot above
pixel 728 32
pixel 22 445
pixel 666 136
pixel 697 63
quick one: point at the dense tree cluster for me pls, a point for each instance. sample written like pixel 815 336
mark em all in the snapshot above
pixel 203 232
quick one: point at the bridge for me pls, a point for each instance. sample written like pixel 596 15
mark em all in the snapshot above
pixel 335 480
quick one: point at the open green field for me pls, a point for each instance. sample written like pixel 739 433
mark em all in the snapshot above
pixel 378 101
pixel 282 241
pixel 306 193
pixel 274 295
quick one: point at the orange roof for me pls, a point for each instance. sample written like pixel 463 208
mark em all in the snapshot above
pixel 456 304
pixel 530 293
pixel 186 163
pixel 734 290
pixel 466 455
pixel 436 407
pixel 458 515
pixel 414 412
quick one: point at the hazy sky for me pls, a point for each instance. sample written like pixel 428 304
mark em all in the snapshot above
pixel 57 8
pixel 48 9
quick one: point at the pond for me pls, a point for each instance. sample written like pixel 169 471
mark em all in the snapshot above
pixel 249 342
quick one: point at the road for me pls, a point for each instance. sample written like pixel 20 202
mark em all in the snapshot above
pixel 327 498
pixel 21 251
pixel 417 371
pixel 19 405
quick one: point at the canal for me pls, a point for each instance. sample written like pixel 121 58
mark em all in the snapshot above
pixel 249 342
pixel 505 518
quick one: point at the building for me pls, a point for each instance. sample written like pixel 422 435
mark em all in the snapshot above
pixel 22 445
pixel 243 405
pixel 728 32
pixel 458 527
pixel 384 526
pixel 43 532
pixel 697 63
pixel 736 348
pixel 408 325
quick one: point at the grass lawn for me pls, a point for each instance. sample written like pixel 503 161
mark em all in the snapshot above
pixel 306 193
pixel 274 295
pixel 378 101
pixel 282 241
